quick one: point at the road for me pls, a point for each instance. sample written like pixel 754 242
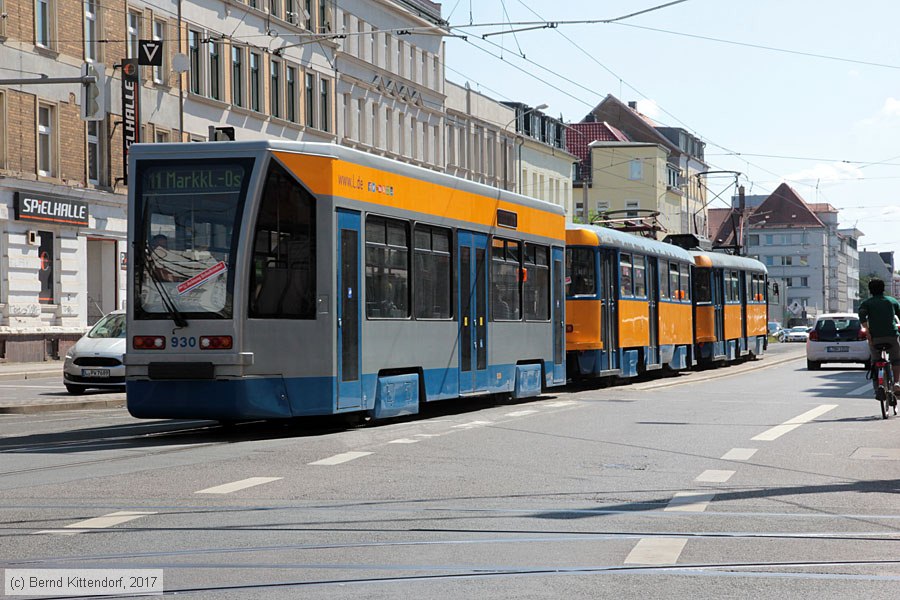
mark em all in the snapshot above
pixel 763 480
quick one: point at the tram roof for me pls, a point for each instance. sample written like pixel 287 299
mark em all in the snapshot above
pixel 351 155
pixel 730 261
pixel 626 241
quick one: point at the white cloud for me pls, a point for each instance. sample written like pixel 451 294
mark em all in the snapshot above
pixel 837 171
pixel 889 113
pixel 891 108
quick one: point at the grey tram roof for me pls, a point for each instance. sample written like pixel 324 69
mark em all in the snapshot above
pixel 634 243
pixel 183 150
pixel 730 261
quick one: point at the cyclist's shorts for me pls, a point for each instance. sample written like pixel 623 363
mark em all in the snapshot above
pixel 893 351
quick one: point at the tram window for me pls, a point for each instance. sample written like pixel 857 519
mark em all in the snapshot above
pixel 537 283
pixel 673 281
pixel 735 289
pixel 387 268
pixel 686 282
pixel 283 278
pixel 640 277
pixel 580 278
pixel 432 273
pixel 506 297
pixel 625 275
pixel 701 286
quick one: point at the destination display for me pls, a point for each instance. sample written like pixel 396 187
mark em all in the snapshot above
pixel 175 178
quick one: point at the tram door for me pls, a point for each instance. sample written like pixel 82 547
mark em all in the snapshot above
pixel 559 315
pixel 472 285
pixel 745 295
pixel 609 317
pixel 653 306
pixel 349 388
pixel 718 300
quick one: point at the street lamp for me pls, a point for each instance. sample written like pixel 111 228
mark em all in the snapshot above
pixel 521 140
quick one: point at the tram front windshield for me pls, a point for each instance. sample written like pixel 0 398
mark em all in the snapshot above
pixel 188 215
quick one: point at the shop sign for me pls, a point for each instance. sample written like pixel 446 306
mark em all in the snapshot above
pixel 50 209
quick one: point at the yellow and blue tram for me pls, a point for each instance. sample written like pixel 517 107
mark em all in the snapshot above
pixel 277 279
pixel 635 305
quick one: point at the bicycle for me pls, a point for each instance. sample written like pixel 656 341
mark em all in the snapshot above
pixel 883 380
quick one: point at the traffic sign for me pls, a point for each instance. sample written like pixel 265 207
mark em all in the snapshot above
pixel 150 53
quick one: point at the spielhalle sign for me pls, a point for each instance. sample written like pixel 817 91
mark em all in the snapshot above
pixel 49 209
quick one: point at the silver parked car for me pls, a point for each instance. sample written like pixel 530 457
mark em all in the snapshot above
pixel 95 361
pixel 799 333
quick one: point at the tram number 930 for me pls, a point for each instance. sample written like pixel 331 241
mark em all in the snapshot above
pixel 183 342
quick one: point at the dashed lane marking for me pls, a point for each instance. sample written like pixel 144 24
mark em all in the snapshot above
pixel 862 390
pixel 561 403
pixel 779 430
pixel 690 502
pixel 339 458
pixel 656 551
pixel 234 486
pixel 404 441
pixel 521 413
pixel 472 424
pixel 739 454
pixel 110 520
pixel 714 476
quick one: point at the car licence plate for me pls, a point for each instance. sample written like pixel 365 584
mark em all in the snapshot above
pixel 95 372
pixel 837 349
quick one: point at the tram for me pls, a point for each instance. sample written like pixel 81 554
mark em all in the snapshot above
pixel 628 304
pixel 730 307
pixel 277 279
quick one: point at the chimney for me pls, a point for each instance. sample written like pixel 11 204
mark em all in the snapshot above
pixel 632 104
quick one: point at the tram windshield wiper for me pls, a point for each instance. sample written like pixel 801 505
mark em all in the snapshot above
pixel 149 267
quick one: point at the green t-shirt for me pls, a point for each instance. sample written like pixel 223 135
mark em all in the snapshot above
pixel 879 312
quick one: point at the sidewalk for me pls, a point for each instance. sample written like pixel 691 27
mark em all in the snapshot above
pixel 50 370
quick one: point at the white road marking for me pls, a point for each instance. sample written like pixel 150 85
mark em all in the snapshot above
pixel 862 390
pixel 714 476
pixel 428 435
pixel 690 502
pixel 521 413
pixel 234 486
pixel 472 424
pixel 110 520
pixel 404 441
pixel 779 430
pixel 656 551
pixel 561 403
pixel 340 458
pixel 33 387
pixel 739 454
pixel 877 453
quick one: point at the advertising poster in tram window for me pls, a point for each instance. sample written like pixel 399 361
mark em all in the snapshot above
pixel 45 253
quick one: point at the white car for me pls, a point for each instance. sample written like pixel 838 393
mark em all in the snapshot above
pixel 799 333
pixel 837 338
pixel 95 361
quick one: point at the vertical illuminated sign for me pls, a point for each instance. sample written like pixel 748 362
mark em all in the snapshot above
pixel 45 274
pixel 131 109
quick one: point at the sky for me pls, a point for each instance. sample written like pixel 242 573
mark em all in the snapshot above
pixel 805 92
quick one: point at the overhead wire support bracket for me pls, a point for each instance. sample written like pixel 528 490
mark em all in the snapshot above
pixel 550 25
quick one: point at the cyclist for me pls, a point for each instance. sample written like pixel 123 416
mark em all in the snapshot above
pixel 877 314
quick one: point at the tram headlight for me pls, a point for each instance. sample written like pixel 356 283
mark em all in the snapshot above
pixel 216 342
pixel 148 342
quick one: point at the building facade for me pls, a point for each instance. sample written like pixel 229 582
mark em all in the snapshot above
pixel 364 73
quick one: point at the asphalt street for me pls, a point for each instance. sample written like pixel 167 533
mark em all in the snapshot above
pixel 763 480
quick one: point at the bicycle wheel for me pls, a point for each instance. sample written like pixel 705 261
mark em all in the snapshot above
pixel 885 390
pixel 889 388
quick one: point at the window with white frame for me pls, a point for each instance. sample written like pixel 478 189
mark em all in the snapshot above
pixel 324 104
pixel 46 140
pixel 412 63
pixel 292 11
pixel 291 112
pixel 347 106
pixel 399 47
pixel 310 15
pixel 636 169
pixel 161 136
pixel 376 126
pixel 275 88
pixel 44 23
pixel 159 34
pixel 389 130
pixel 361 119
pixel 2 21
pixel 373 46
pixel 401 134
pixel 275 8
pixel 255 83
pixel 132 33
pixel 237 76
pixel 413 138
pixel 632 207
pixel 94 151
pixel 387 52
pixel 424 68
pixel 215 69
pixel 437 144
pixel 194 55
pixel 91 27
pixel 324 24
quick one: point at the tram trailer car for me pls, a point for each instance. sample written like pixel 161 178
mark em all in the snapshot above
pixel 628 304
pixel 730 307
pixel 284 279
